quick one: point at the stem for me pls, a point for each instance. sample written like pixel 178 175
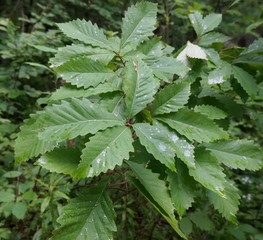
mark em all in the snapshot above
pixel 167 20
pixel 120 57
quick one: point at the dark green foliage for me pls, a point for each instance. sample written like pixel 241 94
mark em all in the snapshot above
pixel 133 108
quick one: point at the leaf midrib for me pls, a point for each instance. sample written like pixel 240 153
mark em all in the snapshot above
pixel 110 143
pixel 135 28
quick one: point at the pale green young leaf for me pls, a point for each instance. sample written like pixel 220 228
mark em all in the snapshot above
pixel 192 51
pixel 246 80
pixel 27 144
pixel 166 67
pixel 75 118
pixel 212 37
pixel 85 32
pixel 227 206
pixel 208 172
pixel 67 53
pixel 138 23
pixel 69 91
pixel 104 151
pixel 210 111
pixel 61 160
pixel 182 188
pixel 194 126
pixel 171 98
pixel 138 86
pixel 157 142
pixel 156 191
pixel 88 216
pixel 84 72
pixel 242 154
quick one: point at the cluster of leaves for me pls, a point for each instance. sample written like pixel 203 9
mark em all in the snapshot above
pixel 129 98
pixel 28 38
pixel 22 80
pixel 31 194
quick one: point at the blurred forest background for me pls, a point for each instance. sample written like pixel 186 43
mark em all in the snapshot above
pixel 31 197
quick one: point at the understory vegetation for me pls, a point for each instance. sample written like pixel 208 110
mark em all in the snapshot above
pixel 131 119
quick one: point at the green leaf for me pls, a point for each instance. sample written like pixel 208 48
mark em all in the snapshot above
pixel 84 72
pixel 156 192
pixel 216 76
pixel 114 103
pixel 157 142
pixel 138 23
pixel 208 172
pixel 61 160
pixel 12 174
pixel 211 21
pixel 158 137
pixel 166 67
pixel 44 48
pixel 27 144
pixel 186 225
pixel 69 91
pixel 85 32
pixel 67 53
pixel 154 48
pixel 227 206
pixel 34 64
pixel 210 111
pixel 246 80
pixel 255 47
pixel 75 118
pixel 183 149
pixel 242 154
pixel 88 216
pixel 213 37
pixel 44 204
pixel 182 188
pixel 7 196
pixel 138 86
pixel 255 60
pixel 104 151
pixel 19 210
pixel 194 126
pixel 196 20
pixel 171 98
pixel 202 221
pixel 204 25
